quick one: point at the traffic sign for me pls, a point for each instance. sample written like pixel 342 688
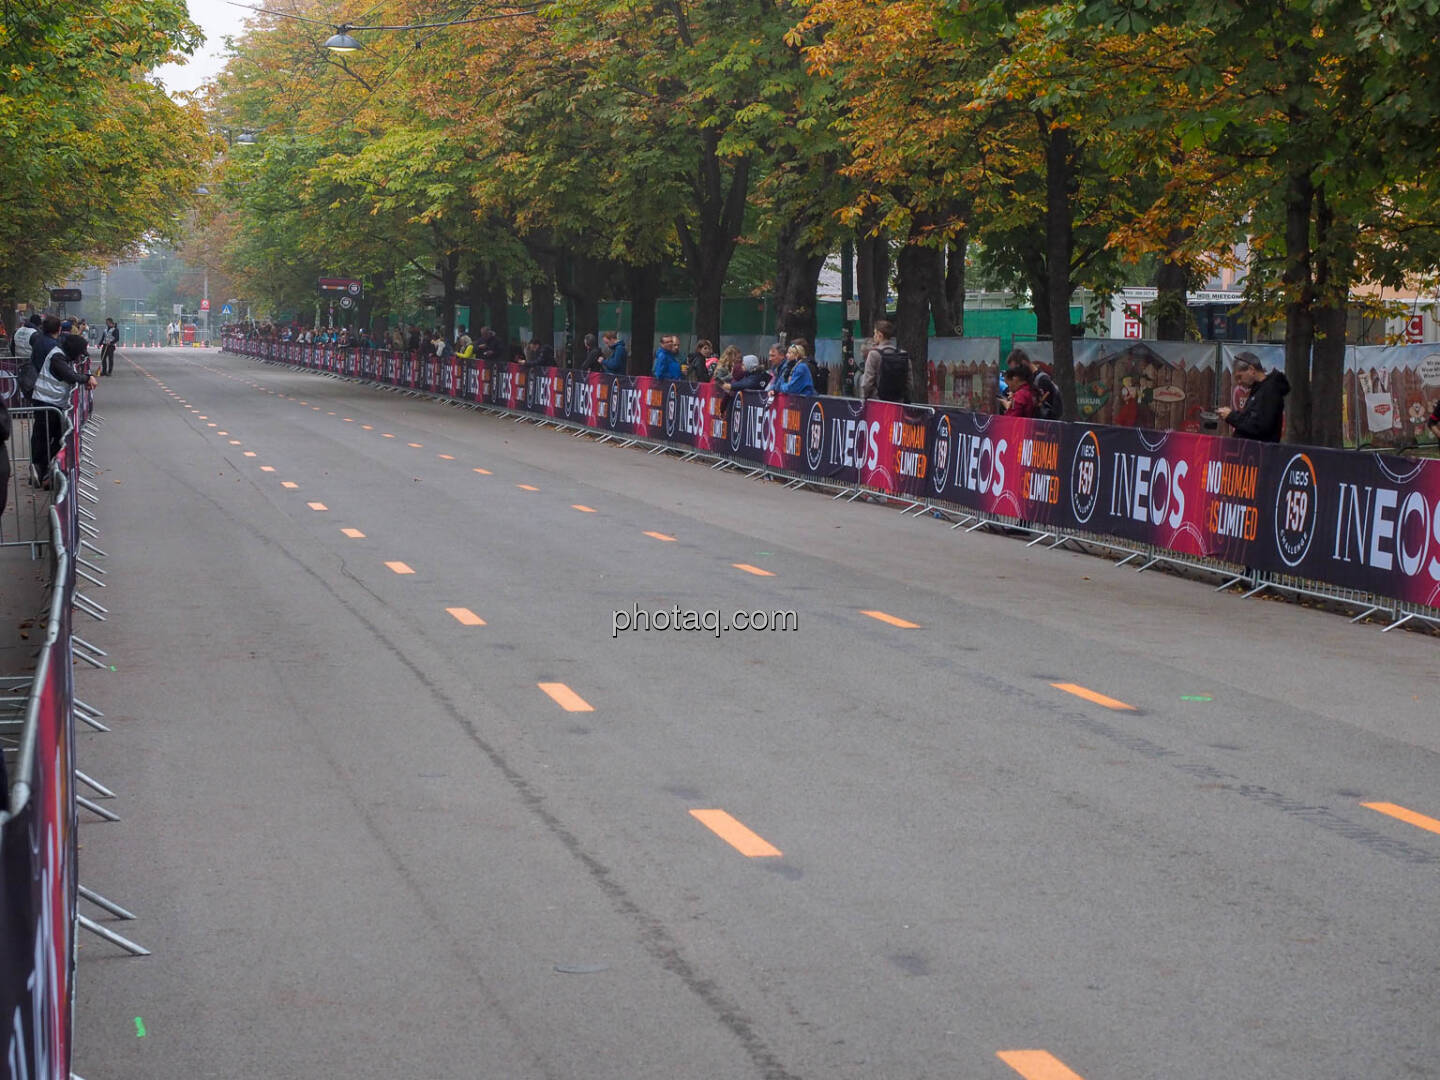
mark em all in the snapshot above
pixel 64 296
pixel 347 302
pixel 341 285
pixel 205 304
pixel 227 310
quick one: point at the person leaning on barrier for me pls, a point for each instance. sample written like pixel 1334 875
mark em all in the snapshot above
pixel 616 360
pixel 594 356
pixel 54 376
pixel 1019 399
pixel 1263 416
pixel 794 377
pixel 667 358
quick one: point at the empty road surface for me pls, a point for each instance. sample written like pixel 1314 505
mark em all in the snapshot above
pixel 406 793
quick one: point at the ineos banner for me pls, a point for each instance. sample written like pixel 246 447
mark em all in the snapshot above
pixel 1363 521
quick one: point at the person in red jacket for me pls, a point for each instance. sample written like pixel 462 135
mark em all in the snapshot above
pixel 1019 399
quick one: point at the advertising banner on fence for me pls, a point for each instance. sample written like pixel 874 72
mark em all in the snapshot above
pixel 1362 521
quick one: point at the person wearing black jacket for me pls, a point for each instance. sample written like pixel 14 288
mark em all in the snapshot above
pixel 594 356
pixel 1263 416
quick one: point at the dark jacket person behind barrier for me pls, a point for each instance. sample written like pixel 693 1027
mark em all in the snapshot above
pixel 1263 416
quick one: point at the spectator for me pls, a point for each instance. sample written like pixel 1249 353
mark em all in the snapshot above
pixel 4 454
pixel 20 343
pixel 667 358
pixel 109 338
pixel 751 377
pixel 464 346
pixel 887 367
pixel 1263 416
pixel 697 364
pixel 1019 399
pixel 55 375
pixel 439 344
pixel 1049 403
pixel 594 356
pixel 1434 422
pixel 728 366
pixel 795 376
pixel 617 359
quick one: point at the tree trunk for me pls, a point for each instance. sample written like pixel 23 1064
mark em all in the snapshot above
pixel 1331 321
pixel 933 267
pixel 542 308
pixel 797 278
pixel 719 220
pixel 955 280
pixel 1171 280
pixel 1061 180
pixel 644 291
pixel 1300 295
pixel 477 293
pixel 450 294
pixel 913 283
pixel 872 272
pixel 497 300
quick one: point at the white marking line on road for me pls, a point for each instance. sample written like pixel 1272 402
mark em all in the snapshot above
pixel 267 468
pixel 465 617
pixel 354 534
pixel 1400 813
pixel 234 442
pixel 566 698
pixel 735 834
pixel 317 506
pixel 399 567
pixel 291 484
pixel 250 453
pixel 1037 1065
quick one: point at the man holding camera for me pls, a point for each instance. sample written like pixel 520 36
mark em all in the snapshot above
pixel 1262 417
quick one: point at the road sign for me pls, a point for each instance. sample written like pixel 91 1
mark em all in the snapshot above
pixel 177 309
pixel 347 302
pixel 205 305
pixel 341 285
pixel 227 310
pixel 64 296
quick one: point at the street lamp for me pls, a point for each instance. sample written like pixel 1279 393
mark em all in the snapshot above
pixel 341 41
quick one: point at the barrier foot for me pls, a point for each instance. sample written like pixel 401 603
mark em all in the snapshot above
pixel 91 566
pixel 100 901
pixel 87 646
pixel 1370 611
pixel 96 808
pixel 96 724
pixel 90 782
pixel 88 529
pixel 91 577
pixel 90 607
pixel 1398 622
pixel 1256 590
pixel 110 936
pixel 962 522
pixel 80 654
pixel 1142 569
pixel 1232 582
pixel 1128 558
pixel 1040 538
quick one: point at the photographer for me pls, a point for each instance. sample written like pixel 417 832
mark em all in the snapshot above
pixel 1263 416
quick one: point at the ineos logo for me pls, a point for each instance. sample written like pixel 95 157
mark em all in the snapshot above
pixel 1085 477
pixel 940 461
pixel 569 392
pixel 815 436
pixel 1297 509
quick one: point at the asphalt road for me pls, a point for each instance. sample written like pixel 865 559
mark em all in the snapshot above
pixel 368 836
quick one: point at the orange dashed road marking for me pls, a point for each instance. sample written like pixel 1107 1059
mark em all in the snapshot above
pixel 249 453
pixel 1037 1065
pixel 354 534
pixel 1090 695
pixel 582 509
pixel 399 567
pixel 661 536
pixel 1399 813
pixel 465 617
pixel 317 506
pixel 368 427
pixel 222 433
pixel 446 457
pixel 267 468
pixel 416 445
pixel 484 472
pixel 735 834
pixel 291 484
pixel 566 698
pixel 891 619
pixel 752 569
pixel 234 442
pixel 526 487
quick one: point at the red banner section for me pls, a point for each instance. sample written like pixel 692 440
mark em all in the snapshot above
pixel 1362 521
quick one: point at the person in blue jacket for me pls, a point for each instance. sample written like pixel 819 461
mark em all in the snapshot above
pixel 617 359
pixel 667 358
pixel 795 376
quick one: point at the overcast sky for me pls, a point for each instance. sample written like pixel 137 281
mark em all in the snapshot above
pixel 216 18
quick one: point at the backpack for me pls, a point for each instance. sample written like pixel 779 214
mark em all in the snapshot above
pixel 1049 404
pixel 894 376
pixel 26 376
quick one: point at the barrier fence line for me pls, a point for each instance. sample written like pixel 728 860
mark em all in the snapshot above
pixel 39 885
pixel 1361 528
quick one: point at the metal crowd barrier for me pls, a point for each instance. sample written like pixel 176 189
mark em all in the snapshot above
pixel 1250 580
pixel 25 520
